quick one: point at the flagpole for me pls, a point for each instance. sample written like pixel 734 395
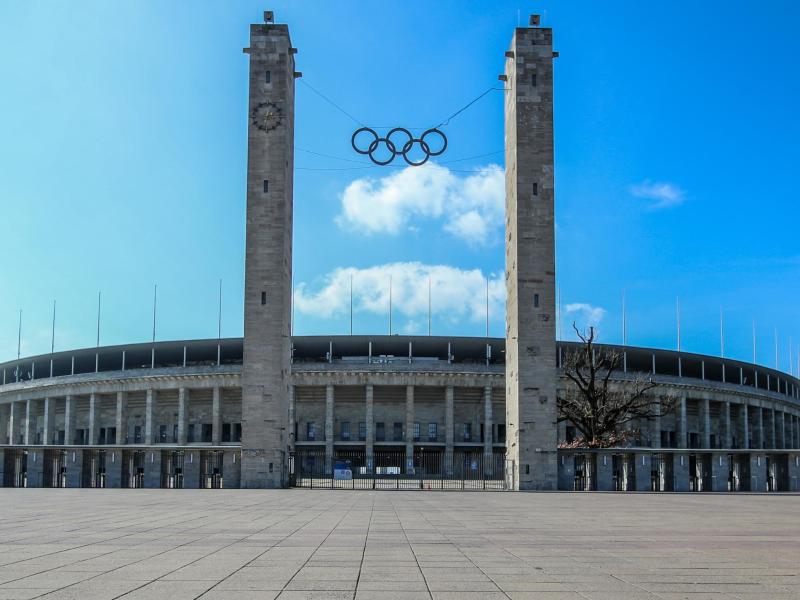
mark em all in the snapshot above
pixel 776 348
pixel 99 295
pixel 155 303
pixel 429 304
pixel 754 341
pixel 487 308
pixel 721 335
pixel 624 322
pixel 53 332
pixel 19 345
pixel 390 305
pixel 19 335
pixel 351 304
pixel 219 312
pixel 678 313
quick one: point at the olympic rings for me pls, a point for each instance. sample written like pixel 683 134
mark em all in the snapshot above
pixel 405 146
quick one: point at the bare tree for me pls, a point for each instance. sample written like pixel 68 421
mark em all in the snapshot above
pixel 601 408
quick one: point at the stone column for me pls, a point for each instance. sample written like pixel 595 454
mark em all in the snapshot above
pixel 183 394
pixel 369 445
pixel 93 406
pixel 148 419
pixel 49 421
pixel 216 417
pixel 566 471
pixel 4 408
pixel 530 363
pixel 231 469
pixel 122 418
pixel 758 473
pixel 773 439
pixel 329 434
pixel 152 468
pixel 705 407
pixel 656 432
pixel 191 470
pixel 726 425
pixel 680 470
pixel 75 467
pixel 114 469
pixel 758 433
pixel 782 430
pixel 409 428
pixel 69 421
pixel 26 426
pixel 643 472
pixel 745 420
pixel 13 422
pixel 268 258
pixel 488 419
pixel 448 428
pixel 292 422
pixel 35 467
pixel 720 468
pixel 680 424
pixel 604 472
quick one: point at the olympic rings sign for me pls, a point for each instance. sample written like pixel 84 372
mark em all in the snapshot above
pixel 401 146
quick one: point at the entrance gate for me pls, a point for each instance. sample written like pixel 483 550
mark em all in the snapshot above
pixel 133 468
pixel 430 469
pixel 15 468
pixel 55 469
pixel 585 468
pixel 93 472
pixel 211 469
pixel 172 470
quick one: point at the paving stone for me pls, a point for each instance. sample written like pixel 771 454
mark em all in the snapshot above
pixel 308 544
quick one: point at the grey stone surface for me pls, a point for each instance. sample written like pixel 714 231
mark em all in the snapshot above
pixel 643 469
pixel 268 257
pixel 604 473
pixel 530 261
pixel 152 469
pixel 243 544
pixel 680 471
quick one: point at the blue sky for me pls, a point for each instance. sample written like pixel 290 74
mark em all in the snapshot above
pixel 122 164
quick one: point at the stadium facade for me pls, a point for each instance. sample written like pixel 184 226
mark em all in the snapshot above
pixel 271 410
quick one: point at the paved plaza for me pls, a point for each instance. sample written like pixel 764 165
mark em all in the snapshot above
pixel 293 544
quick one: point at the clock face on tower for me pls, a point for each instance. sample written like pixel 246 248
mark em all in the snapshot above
pixel 266 116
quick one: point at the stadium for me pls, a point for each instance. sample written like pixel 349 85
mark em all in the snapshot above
pixel 272 410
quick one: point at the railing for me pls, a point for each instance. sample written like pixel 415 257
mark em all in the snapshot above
pixel 427 470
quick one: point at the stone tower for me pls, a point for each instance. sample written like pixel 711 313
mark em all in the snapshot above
pixel 268 257
pixel 530 261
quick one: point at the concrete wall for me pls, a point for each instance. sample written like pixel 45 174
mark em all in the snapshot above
pixel 530 260
pixel 268 257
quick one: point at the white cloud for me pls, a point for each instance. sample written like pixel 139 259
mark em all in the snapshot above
pixel 662 194
pixel 470 207
pixel 585 315
pixel 456 294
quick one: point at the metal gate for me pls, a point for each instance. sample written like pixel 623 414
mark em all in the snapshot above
pixel 211 469
pixel 93 470
pixel 172 470
pixel 133 468
pixel 55 469
pixel 392 470
pixel 15 468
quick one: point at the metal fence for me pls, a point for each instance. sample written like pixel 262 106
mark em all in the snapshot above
pixel 393 470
